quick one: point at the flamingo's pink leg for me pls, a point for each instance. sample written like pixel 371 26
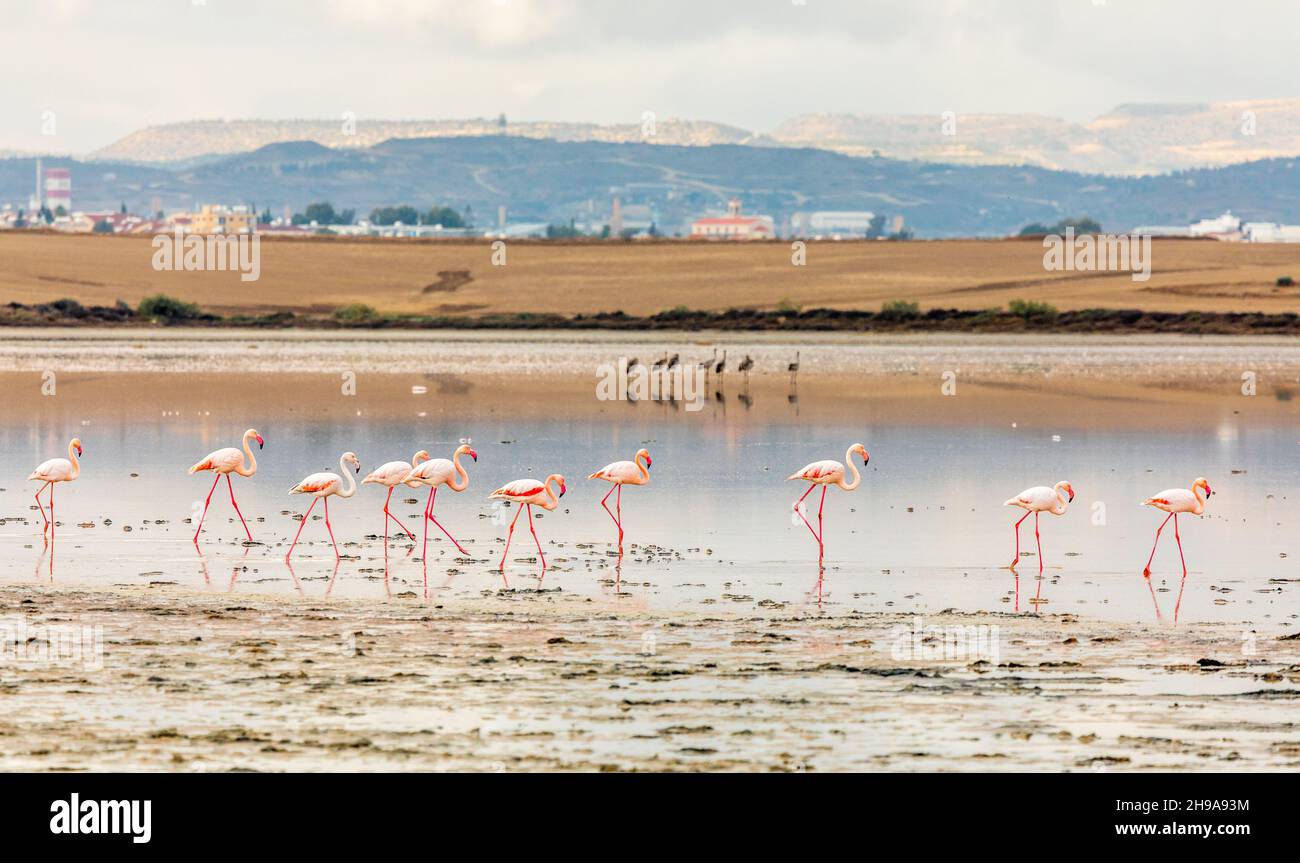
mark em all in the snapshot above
pixel 502 567
pixel 444 531
pixel 1040 547
pixel 821 531
pixel 1147 570
pixel 1178 538
pixel 53 523
pixel 535 539
pixel 615 518
pixel 330 529
pixel 45 528
pixel 301 525
pixel 1016 531
pixel 231 486
pixel 389 515
pixel 428 508
pixel 216 479
pixel 801 515
pixel 618 507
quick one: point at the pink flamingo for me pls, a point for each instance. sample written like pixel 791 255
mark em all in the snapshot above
pixel 438 472
pixel 1036 500
pixel 619 474
pixel 322 486
pixel 1175 501
pixel 824 473
pixel 52 471
pixel 527 493
pixel 227 461
pixel 393 474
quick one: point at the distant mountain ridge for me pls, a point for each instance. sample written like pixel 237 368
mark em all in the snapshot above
pixel 1133 139
pixel 175 142
pixel 548 181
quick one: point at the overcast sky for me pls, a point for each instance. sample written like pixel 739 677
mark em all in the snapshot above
pixel 108 68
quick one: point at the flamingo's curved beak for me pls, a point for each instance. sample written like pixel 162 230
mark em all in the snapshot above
pixel 78 451
pixel 562 489
pixel 1208 493
pixel 260 442
pixel 648 462
pixel 865 458
pixel 473 455
pixel 1070 489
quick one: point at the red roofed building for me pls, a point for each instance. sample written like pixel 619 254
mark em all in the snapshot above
pixel 733 226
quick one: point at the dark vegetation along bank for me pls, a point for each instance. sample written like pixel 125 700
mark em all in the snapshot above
pixel 898 316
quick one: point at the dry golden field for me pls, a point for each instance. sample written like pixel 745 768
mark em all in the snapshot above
pixel 457 277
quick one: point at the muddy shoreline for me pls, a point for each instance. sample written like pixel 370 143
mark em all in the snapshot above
pixel 541 680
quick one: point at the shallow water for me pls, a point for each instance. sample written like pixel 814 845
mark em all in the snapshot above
pixel 714 530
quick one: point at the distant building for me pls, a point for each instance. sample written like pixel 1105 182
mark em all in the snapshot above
pixel 852 222
pixel 58 189
pixel 1163 230
pixel 1271 232
pixel 1226 226
pixel 733 226
pixel 214 219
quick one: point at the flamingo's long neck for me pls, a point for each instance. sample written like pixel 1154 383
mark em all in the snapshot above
pixel 555 501
pixel 252 460
pixel 347 475
pixel 1062 502
pixel 1200 501
pixel 460 471
pixel 76 465
pixel 857 477
pixel 645 473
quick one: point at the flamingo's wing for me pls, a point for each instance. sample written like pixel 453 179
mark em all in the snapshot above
pixel 1179 499
pixel 388 472
pixel 818 470
pixel 223 460
pixel 432 472
pixel 55 469
pixel 316 483
pixel 520 488
pixel 619 471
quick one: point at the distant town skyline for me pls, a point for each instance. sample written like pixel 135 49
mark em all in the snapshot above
pixel 79 74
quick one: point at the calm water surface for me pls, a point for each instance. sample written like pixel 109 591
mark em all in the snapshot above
pixel 714 530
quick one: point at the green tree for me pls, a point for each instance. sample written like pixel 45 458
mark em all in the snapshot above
pixel 392 215
pixel 323 213
pixel 445 216
pixel 563 232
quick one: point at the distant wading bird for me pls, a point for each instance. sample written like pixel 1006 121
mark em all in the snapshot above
pixel 52 471
pixel 225 462
pixel 1039 499
pixel 824 473
pixel 745 365
pixel 527 493
pixel 321 486
pixel 392 474
pixel 793 369
pixel 438 472
pixel 1175 501
pixel 619 474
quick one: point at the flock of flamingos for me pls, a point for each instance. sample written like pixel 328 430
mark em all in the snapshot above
pixel 423 471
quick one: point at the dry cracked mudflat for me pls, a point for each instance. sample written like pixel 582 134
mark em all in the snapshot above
pixel 525 680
